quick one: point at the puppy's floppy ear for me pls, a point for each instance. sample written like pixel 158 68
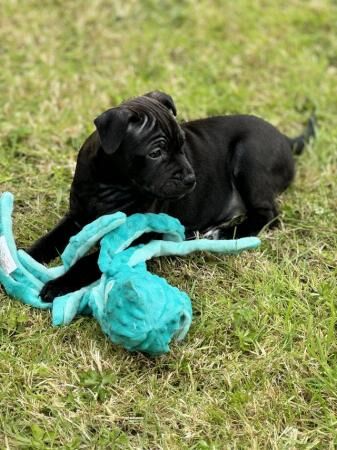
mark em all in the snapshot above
pixel 164 99
pixel 111 127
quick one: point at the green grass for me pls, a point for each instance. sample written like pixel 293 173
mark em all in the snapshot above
pixel 259 366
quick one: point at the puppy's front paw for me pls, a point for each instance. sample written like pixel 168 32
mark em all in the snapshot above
pixel 52 289
pixel 40 253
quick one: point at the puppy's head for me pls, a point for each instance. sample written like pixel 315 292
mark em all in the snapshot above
pixel 149 144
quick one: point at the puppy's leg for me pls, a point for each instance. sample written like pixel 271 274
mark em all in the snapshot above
pixel 224 230
pixel 257 219
pixel 259 177
pixel 53 243
pixel 84 272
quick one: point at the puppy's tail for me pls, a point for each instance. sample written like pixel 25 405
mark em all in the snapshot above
pixel 298 143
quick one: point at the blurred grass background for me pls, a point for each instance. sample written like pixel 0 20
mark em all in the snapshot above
pixel 258 369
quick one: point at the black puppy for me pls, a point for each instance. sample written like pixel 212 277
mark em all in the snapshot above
pixel 218 175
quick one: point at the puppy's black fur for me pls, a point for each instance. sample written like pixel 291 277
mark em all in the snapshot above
pixel 218 175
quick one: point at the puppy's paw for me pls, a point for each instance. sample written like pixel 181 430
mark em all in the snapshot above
pixel 52 289
pixel 39 253
pixel 212 234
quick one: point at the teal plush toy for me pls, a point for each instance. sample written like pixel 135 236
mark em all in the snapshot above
pixel 134 308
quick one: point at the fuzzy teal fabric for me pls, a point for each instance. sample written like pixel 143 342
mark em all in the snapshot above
pixel 135 308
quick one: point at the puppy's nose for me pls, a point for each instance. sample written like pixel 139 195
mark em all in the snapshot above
pixel 189 180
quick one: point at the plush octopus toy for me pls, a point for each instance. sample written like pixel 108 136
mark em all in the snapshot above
pixel 135 308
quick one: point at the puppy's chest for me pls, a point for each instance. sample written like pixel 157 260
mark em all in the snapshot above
pixel 110 198
pixel 102 199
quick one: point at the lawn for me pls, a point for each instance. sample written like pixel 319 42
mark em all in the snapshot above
pixel 259 366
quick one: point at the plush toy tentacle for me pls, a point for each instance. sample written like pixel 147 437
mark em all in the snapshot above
pixel 66 307
pixel 83 241
pixel 165 248
pixel 26 294
pixel 10 264
pixel 39 271
pixel 135 226
pixel 6 210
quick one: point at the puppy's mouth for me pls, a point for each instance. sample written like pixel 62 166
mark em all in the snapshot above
pixel 170 191
pixel 175 188
pixel 177 196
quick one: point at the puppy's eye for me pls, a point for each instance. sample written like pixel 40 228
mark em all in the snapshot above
pixel 155 154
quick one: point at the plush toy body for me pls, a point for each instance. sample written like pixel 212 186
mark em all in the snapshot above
pixel 135 308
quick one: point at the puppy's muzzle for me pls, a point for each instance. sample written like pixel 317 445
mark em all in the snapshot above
pixel 183 185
